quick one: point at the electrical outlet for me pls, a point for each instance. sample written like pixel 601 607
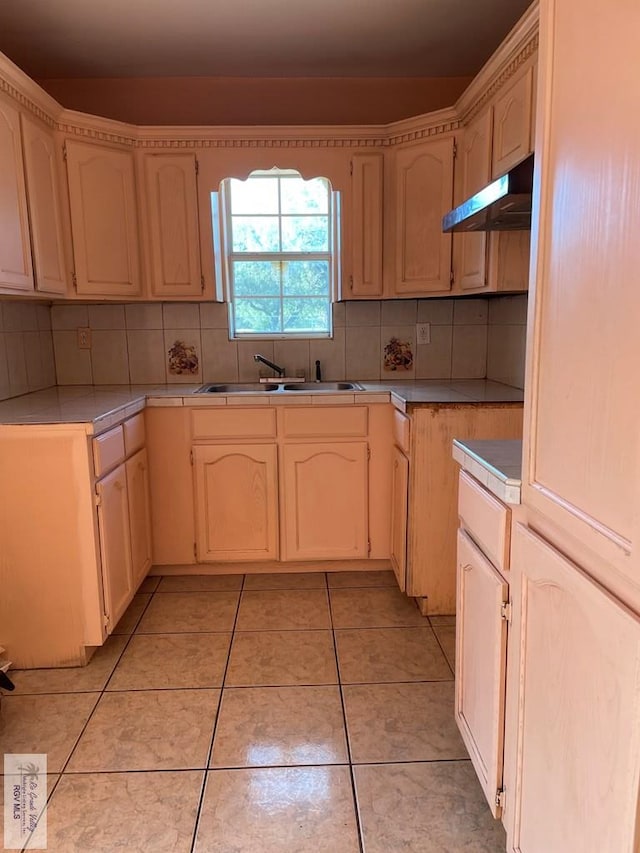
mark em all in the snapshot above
pixel 84 337
pixel 423 333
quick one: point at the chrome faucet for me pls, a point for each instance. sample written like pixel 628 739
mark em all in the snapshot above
pixel 279 370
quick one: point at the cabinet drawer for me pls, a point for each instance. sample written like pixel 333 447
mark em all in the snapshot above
pixel 325 421
pixel 486 518
pixel 233 423
pixel 134 434
pixel 401 430
pixel 108 450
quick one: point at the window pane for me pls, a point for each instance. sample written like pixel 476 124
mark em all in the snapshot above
pixel 256 278
pixel 298 196
pixel 305 234
pixel 255 234
pixel 306 315
pixel 306 278
pixel 255 195
pixel 257 315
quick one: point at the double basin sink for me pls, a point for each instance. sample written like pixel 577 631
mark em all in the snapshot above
pixel 277 387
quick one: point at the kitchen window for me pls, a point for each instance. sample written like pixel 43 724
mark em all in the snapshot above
pixel 279 243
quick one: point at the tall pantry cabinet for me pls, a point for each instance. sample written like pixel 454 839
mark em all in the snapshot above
pixel 572 771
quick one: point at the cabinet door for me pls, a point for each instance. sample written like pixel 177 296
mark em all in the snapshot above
pixel 512 125
pixel 576 724
pixel 16 271
pixel 399 503
pixel 481 656
pixel 236 502
pixel 115 543
pixel 366 224
pixel 45 216
pixel 509 255
pixel 324 503
pixel 104 219
pixel 139 515
pixel 172 212
pixel 474 160
pixel 424 193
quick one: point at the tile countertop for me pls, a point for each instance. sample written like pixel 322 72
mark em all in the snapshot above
pixel 102 406
pixel 497 464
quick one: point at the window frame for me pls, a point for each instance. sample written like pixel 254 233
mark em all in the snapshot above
pixel 222 226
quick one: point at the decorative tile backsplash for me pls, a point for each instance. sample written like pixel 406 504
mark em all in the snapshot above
pixel 151 343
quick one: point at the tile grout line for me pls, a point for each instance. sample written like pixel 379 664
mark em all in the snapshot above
pixel 215 723
pixel 449 664
pixel 356 806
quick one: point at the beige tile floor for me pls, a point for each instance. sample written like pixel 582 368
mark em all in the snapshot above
pixel 258 714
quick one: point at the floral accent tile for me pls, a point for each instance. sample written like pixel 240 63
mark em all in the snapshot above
pixel 398 355
pixel 182 355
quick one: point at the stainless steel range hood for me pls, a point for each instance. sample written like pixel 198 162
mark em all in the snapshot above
pixel 503 205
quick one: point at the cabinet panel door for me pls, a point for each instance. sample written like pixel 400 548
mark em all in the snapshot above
pixel 324 501
pixel 139 515
pixel 424 193
pixel 236 502
pixel 512 125
pixel 45 213
pixel 104 219
pixel 172 210
pixel 115 543
pixel 16 272
pixel 474 159
pixel 582 463
pixel 366 224
pixel 576 689
pixel 509 254
pixel 481 656
pixel 399 504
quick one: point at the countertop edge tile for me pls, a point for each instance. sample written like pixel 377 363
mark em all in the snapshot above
pixel 496 463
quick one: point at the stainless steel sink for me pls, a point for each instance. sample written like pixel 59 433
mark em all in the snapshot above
pixel 322 386
pixel 237 388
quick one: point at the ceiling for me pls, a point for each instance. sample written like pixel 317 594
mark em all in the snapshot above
pixel 254 38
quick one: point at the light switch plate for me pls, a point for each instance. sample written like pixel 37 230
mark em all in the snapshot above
pixel 423 333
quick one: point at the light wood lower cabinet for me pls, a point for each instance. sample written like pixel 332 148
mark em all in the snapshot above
pixel 573 729
pixel 236 502
pixel 137 469
pixel 481 658
pixel 399 501
pixel 324 501
pixel 115 542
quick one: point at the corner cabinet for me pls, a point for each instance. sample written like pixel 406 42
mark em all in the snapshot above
pixel 16 270
pixel 171 208
pixel 104 219
pixel 423 194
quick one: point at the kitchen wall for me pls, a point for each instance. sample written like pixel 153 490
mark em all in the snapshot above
pixel 188 342
pixel 257 101
pixel 26 348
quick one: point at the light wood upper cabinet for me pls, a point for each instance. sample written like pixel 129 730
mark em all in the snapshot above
pixel 45 212
pixel 509 258
pixel 366 212
pixel 172 214
pixel 481 657
pixel 115 543
pixel 236 502
pixel 512 124
pixel 324 501
pixel 16 271
pixel 137 469
pixel 104 219
pixel 575 761
pixel 474 160
pixel 399 502
pixel 424 193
